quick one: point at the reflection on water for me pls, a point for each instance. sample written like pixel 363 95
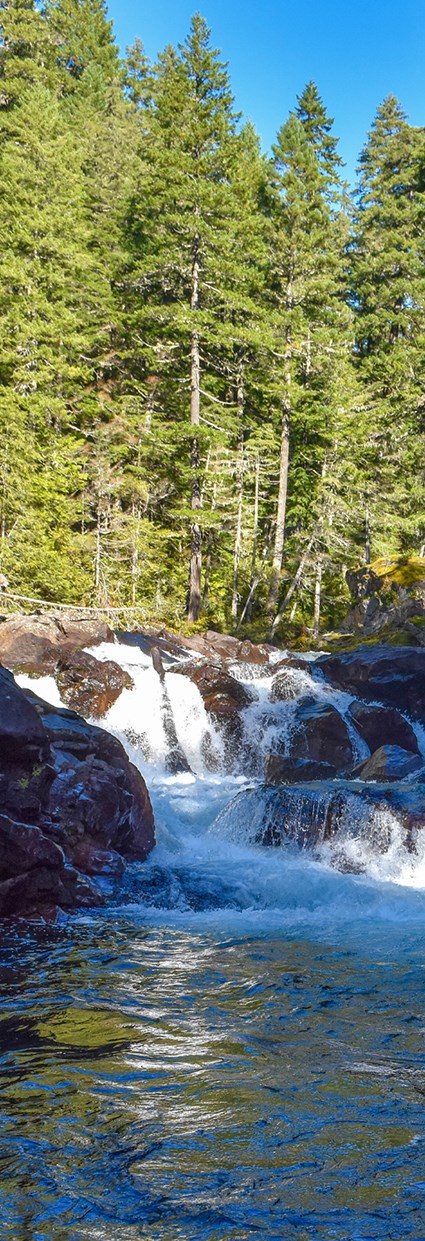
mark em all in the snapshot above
pixel 162 1084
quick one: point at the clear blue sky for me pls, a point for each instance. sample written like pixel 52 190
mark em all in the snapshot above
pixel 357 51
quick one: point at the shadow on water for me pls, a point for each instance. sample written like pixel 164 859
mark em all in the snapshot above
pixel 169 1085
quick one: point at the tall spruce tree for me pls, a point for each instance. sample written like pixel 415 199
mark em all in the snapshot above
pixel 388 293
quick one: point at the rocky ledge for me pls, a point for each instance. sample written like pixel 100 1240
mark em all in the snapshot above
pixel 73 807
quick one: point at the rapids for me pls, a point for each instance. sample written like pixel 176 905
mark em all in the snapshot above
pixel 233 1046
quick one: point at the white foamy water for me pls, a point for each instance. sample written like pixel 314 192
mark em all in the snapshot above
pixel 207 852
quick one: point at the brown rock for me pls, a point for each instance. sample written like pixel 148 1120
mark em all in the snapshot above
pixel 320 734
pixel 224 697
pixel 390 762
pixel 88 685
pixel 381 726
pixel 391 675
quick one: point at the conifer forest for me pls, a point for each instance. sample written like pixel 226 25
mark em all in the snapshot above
pixel 212 373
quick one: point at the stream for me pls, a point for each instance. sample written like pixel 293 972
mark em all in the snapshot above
pixel 233 1046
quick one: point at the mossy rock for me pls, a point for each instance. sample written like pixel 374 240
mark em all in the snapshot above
pixel 400 570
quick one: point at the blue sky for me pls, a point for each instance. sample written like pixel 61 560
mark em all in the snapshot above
pixel 357 52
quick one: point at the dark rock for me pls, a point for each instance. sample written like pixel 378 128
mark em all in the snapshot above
pixel 306 815
pixel 33 643
pixel 23 847
pixel 391 675
pixel 86 856
pixel 281 770
pixel 382 726
pixel 224 697
pixel 22 736
pixel 285 685
pixel 320 735
pixel 74 803
pixel 390 762
pixel 88 685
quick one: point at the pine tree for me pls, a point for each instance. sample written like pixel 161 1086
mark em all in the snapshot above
pixel 388 292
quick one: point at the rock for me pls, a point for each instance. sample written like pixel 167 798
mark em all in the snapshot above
pixel 390 762
pixel 319 734
pixel 280 770
pixel 74 807
pixel 391 675
pixel 382 726
pixel 285 685
pixel 224 697
pixel 87 856
pixel 222 646
pixel 88 685
pixel 387 596
pixel 33 644
pixel 24 847
pixel 306 816
pixel 22 736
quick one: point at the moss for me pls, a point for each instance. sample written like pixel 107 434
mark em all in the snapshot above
pixel 400 570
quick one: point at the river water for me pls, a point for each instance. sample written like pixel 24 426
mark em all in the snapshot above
pixel 234 1046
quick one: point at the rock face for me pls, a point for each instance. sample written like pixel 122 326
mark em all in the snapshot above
pixel 319 735
pixel 390 762
pixel 89 685
pixel 388 596
pixel 224 697
pixel 382 726
pixel 49 646
pixel 74 806
pixel 393 676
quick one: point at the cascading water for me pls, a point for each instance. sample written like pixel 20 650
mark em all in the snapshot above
pixel 234 1048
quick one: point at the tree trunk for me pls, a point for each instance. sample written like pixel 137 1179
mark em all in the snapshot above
pixel 281 514
pixel 208 560
pixel 194 598
pixel 283 467
pixel 367 550
pixel 248 608
pixel 240 471
pixel 317 597
pixel 295 580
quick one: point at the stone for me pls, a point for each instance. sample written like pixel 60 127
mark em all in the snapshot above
pixel 21 732
pixel 281 770
pixel 391 675
pixel 32 644
pixel 285 685
pixel 382 726
pixel 319 734
pixel 224 697
pixel 74 807
pixel 90 686
pixel 390 762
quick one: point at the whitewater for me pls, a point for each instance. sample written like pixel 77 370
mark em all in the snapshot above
pixel 233 1046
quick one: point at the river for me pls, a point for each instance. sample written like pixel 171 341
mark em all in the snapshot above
pixel 231 1048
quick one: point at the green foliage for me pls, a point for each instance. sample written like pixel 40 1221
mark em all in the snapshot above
pixel 138 216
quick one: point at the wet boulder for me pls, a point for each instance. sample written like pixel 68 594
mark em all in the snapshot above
pixel 88 685
pixel 308 816
pixel 224 697
pixel 281 770
pixel 33 644
pixel 23 739
pixel 380 726
pixel 318 734
pixel 389 762
pixel 73 807
pixel 286 685
pixel 391 675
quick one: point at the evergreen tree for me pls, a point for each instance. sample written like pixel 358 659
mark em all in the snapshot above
pixel 388 293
